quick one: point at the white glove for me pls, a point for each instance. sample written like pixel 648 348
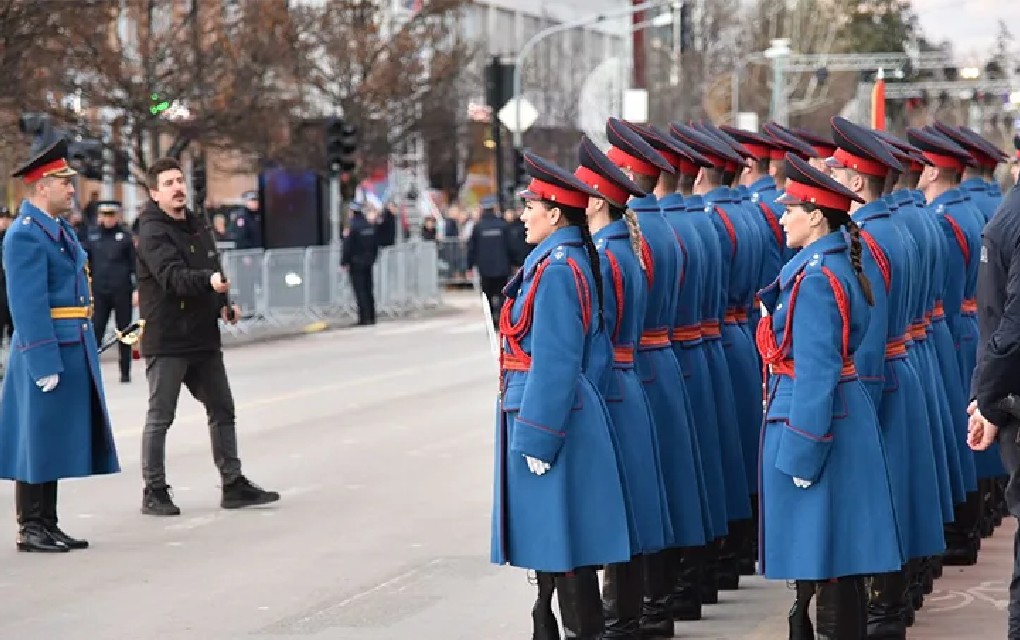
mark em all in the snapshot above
pixel 803 484
pixel 48 383
pixel 537 466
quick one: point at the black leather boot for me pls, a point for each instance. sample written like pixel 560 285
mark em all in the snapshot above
pixel 49 518
pixel 543 620
pixel 657 607
pixel 580 604
pixel 962 536
pixel 915 586
pixel 727 568
pixel 32 534
pixel 841 609
pixel 622 591
pixel 887 615
pixel 707 572
pixel 799 618
pixel 688 584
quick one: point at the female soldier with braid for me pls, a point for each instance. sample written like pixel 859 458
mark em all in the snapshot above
pixel 623 256
pixel 827 516
pixel 559 505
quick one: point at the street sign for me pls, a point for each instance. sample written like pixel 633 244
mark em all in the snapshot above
pixel 508 115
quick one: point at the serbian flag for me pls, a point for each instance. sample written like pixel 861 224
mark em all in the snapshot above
pixel 878 104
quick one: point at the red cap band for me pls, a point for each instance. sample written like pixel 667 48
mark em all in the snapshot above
pixel 945 162
pixel 624 160
pixel 559 195
pixel 817 196
pixel 860 165
pixel 603 185
pixel 730 166
pixel 680 163
pixel 42 171
pixel 759 151
pixel 777 154
pixel 916 166
pixel 824 150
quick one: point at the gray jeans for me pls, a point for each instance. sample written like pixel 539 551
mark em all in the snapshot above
pixel 206 379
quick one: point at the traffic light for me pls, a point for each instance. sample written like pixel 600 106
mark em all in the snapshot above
pixel 348 147
pixel 198 180
pixel 334 145
pixel 86 157
pixel 158 103
pixel 520 175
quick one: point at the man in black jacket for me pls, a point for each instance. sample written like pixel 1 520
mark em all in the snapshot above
pixel 111 253
pixel 181 295
pixel 996 382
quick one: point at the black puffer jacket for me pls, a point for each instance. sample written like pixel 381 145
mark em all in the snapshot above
pixel 176 258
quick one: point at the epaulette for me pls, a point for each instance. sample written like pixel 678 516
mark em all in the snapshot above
pixel 755 197
pixel 559 254
pixel 815 263
pixel 601 244
pixel 27 220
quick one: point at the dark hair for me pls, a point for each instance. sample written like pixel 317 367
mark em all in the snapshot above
pixel 159 166
pixel 837 218
pixel 891 180
pixel 668 181
pixel 646 183
pixel 714 177
pixel 578 218
pixel 762 165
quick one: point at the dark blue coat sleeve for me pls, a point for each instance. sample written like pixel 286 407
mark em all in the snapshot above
pixel 999 367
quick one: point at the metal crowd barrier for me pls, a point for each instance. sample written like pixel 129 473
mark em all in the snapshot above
pixel 452 266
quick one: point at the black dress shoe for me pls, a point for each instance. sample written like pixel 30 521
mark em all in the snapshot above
pixel 34 537
pixel 244 493
pixel 59 536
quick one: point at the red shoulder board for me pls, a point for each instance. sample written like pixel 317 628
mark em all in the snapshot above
pixel 880 258
pixel 770 218
pixel 614 266
pixel 683 252
pixel 646 256
pixel 583 294
pixel 843 304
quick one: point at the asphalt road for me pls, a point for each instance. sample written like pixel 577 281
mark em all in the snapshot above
pixel 380 440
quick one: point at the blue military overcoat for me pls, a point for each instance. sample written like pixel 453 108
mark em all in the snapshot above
pixel 574 515
pixel 898 395
pixel 740 256
pixel 626 296
pixel 821 426
pixel 727 486
pixel 66 432
pixel 664 384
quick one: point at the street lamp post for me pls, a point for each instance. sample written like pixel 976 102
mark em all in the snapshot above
pixel 518 134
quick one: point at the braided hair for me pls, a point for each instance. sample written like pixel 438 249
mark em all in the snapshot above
pixel 837 218
pixel 577 217
pixel 633 229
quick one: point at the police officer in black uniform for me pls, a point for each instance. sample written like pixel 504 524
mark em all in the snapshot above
pixel 246 222
pixel 111 253
pixel 489 251
pixel 360 249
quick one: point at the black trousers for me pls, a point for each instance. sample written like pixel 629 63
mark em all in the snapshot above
pixel 492 287
pixel 120 305
pixel 364 292
pixel 206 378
pixel 6 323
pixel 1009 451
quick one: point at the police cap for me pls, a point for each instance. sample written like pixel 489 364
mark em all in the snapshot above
pixel 791 142
pixel 631 152
pixel 807 185
pixel 553 183
pixel 488 203
pixel 50 163
pixel 985 153
pixel 941 151
pixel 712 130
pixel 822 144
pixel 721 155
pixel 598 172
pixel 761 147
pixel 679 155
pixel 112 207
pixel 860 150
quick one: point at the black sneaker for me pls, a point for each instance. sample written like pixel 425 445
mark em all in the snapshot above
pixel 243 493
pixel 159 501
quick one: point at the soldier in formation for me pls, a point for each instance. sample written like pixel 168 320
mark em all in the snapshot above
pixel 679 276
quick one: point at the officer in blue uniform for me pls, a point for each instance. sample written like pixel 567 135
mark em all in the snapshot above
pixel 559 506
pixel 961 228
pixel 667 392
pixel 617 237
pixel 977 183
pixel 1014 167
pixel 490 252
pixel 358 255
pixel 862 164
pixel 827 517
pixel 739 284
pixel 821 143
pixel 718 438
pixel 53 418
pixel 111 252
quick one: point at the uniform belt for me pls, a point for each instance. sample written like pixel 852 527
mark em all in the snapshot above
pixel 939 312
pixel 689 333
pixel 623 354
pixel 969 306
pixel 710 329
pixel 785 368
pixel 70 313
pixel 736 315
pixel 515 362
pixel 918 331
pixel 896 348
pixel 654 338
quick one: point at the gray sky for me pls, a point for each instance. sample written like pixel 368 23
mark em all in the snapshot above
pixel 970 24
